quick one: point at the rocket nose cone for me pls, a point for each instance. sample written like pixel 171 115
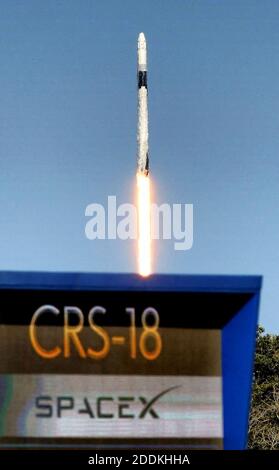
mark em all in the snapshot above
pixel 141 40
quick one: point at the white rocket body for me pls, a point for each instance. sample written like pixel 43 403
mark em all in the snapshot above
pixel 142 133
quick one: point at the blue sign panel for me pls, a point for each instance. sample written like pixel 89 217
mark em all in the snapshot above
pixel 118 360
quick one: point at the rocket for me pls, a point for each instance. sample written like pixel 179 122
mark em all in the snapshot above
pixel 142 131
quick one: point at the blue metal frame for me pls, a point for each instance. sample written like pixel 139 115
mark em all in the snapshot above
pixel 238 335
pixel 238 346
pixel 127 281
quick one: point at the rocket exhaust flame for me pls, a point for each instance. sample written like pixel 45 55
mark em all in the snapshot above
pixel 144 226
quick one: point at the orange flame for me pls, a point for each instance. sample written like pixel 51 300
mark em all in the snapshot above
pixel 144 226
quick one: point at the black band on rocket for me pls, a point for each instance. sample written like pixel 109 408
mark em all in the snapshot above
pixel 147 164
pixel 142 79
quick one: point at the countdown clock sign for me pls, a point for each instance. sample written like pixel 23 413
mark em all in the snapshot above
pixel 114 359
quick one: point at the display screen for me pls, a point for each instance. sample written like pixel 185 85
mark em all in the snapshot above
pixel 109 368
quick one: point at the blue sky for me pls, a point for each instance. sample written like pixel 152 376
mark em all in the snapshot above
pixel 68 131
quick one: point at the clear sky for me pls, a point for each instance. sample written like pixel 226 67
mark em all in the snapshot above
pixel 68 131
